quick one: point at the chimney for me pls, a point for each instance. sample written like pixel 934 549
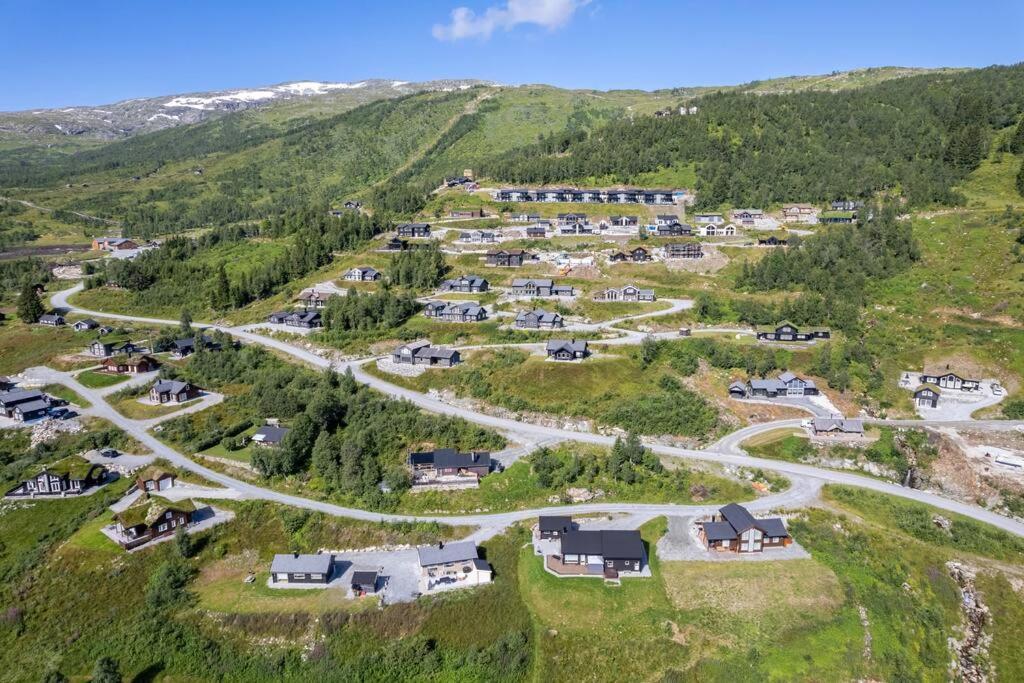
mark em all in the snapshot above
pixel 295 555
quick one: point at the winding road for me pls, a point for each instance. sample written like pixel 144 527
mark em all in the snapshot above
pixel 806 479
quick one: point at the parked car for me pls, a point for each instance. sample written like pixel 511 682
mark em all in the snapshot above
pixel 58 412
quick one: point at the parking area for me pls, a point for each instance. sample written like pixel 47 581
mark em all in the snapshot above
pixel 399 571
pixel 681 543
pixel 955 404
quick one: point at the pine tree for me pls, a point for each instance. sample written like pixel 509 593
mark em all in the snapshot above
pixel 30 307
pixel 106 671
pixel 1020 180
pixel 185 324
pixel 220 295
pixel 1017 141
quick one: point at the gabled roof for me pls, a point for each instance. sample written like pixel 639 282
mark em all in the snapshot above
pixel 444 458
pixel 414 345
pixel 573 346
pixel 616 544
pixel 170 385
pixel 153 473
pixel 738 520
pixel 147 509
pixel 32 406
pixel 536 282
pixel 838 424
pixel 20 396
pixel 738 517
pixel 444 553
pixel 294 563
pixel 74 466
pixel 270 434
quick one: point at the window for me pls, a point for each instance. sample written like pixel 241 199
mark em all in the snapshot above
pixel 318 577
pixel 298 576
pixel 162 527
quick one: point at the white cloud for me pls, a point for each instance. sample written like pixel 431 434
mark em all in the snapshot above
pixel 549 14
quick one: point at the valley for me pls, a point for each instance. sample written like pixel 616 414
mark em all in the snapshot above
pixel 383 320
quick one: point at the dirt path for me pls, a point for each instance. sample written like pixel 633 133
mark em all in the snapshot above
pixel 470 108
pixel 86 216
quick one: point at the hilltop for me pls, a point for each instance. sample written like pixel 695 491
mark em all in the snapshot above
pixel 145 115
pixel 89 125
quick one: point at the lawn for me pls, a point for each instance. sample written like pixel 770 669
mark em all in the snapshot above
pixel 131 408
pixel 769 437
pixel 586 629
pixel 221 588
pixel 100 380
pixel 69 395
pixel 24 346
pixel 241 455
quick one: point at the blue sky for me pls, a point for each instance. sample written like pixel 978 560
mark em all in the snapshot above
pixel 62 53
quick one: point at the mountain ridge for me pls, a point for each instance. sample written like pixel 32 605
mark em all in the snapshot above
pixel 135 116
pixel 129 117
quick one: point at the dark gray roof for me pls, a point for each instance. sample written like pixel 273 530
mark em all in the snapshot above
pixel 840 424
pixel 582 543
pixel 719 531
pixel 444 553
pixel 554 523
pixel 619 544
pixel 364 577
pixel 32 406
pixel 449 457
pixel 15 396
pixel 170 385
pixel 270 434
pixel 738 517
pixel 622 544
pixel 773 526
pixel 537 282
pixel 574 346
pixel 301 564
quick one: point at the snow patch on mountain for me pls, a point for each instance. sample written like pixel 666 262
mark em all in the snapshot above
pixel 299 88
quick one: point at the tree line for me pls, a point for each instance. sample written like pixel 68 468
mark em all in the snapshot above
pixel 915 136
pixel 181 271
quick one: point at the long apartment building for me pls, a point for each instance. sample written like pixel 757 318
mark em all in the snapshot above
pixel 623 196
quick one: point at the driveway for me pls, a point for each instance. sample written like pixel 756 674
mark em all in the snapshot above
pixel 682 543
pixel 400 571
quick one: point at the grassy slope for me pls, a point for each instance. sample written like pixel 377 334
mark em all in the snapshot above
pixel 964 301
pixel 517 488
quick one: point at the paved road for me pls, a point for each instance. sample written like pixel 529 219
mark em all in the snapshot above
pixel 799 494
pixel 726 451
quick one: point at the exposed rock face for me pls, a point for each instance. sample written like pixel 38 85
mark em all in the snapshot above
pixel 970 653
pixel 145 115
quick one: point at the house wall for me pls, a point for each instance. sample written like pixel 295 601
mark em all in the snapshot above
pixel 622 565
pixel 296 577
